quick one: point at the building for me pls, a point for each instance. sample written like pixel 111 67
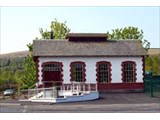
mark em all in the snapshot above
pixel 115 65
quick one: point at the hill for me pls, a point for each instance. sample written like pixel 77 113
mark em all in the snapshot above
pixel 154 51
pixel 20 54
pixel 13 61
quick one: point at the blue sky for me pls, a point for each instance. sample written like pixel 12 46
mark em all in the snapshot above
pixel 20 25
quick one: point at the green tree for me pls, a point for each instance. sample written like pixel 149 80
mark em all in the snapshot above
pixel 30 72
pixel 7 79
pixel 18 76
pixel 152 63
pixel 129 33
pixel 30 47
pixel 60 31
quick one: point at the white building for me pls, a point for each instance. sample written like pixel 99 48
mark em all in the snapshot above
pixel 90 58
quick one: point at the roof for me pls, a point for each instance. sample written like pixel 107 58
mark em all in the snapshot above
pixel 105 48
pixel 86 35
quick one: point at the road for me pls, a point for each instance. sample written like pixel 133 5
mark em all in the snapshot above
pixel 102 108
pixel 108 103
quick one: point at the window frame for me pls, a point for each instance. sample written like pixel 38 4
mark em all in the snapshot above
pixel 52 67
pixel 52 62
pixel 134 71
pixel 83 71
pixel 109 71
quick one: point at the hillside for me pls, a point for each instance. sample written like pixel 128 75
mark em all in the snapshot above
pixel 20 54
pixel 13 61
pixel 154 51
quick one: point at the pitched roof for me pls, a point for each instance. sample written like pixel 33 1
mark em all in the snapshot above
pixel 105 48
pixel 86 35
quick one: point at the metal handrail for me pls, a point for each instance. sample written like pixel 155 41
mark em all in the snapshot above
pixel 83 88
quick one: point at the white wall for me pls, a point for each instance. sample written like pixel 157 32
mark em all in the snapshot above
pixel 91 67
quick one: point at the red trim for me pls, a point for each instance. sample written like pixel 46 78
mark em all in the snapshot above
pixel 97 70
pixel 36 60
pixel 135 69
pixel 143 66
pixel 53 62
pixel 37 69
pixel 83 72
pixel 120 86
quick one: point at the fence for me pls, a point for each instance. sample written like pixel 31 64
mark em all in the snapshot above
pixel 152 86
pixel 59 91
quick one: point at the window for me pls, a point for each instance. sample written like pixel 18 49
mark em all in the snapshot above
pixel 78 71
pixel 128 71
pixel 103 72
pixel 52 72
pixel 51 67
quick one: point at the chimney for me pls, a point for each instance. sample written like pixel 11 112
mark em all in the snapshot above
pixel 51 35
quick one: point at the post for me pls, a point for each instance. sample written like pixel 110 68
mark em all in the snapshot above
pixel 89 87
pixel 80 87
pixel 44 92
pixel 61 88
pixel 77 87
pixel 37 92
pixel 83 87
pixel 28 93
pixel 55 92
pixel 151 88
pixel 73 87
pixel 67 87
pixel 96 87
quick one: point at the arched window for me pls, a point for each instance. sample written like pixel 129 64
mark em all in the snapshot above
pixel 103 72
pixel 77 71
pixel 52 73
pixel 128 71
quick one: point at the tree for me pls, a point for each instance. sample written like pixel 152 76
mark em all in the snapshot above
pixel 30 47
pixel 129 33
pixel 152 63
pixel 60 31
pixel 30 72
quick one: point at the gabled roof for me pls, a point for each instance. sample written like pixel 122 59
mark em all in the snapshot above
pixel 86 35
pixel 105 48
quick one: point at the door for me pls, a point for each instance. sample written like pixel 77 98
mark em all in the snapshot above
pixel 52 74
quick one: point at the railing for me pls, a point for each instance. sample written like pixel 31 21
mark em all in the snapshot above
pixel 79 87
pixel 152 86
pixel 61 91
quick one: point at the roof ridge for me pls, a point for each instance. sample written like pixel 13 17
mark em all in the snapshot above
pixel 51 40
pixel 84 41
pixel 126 40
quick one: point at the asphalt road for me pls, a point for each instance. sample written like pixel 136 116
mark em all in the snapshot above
pixel 108 103
pixel 96 108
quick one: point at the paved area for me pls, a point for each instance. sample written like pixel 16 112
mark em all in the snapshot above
pixel 107 103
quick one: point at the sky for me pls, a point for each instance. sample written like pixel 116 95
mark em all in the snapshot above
pixel 20 25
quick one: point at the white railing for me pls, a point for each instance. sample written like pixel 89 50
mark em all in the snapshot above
pixel 79 87
pixel 61 91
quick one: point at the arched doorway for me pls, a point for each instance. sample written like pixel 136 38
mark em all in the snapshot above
pixel 52 74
